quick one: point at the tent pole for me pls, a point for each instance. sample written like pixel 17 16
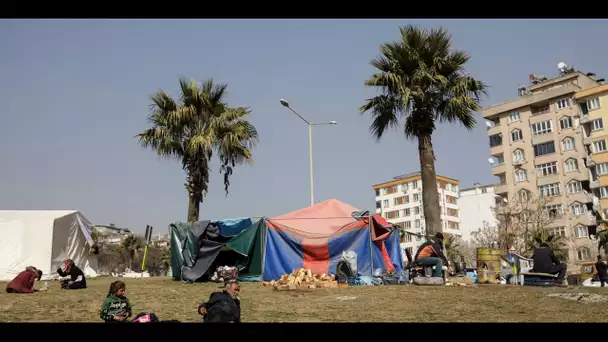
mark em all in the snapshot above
pixel 371 251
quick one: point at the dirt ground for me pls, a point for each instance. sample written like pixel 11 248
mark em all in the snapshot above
pixel 173 300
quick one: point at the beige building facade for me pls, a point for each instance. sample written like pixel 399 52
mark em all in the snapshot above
pixel 538 149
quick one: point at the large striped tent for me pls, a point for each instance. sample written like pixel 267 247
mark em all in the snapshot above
pixel 315 238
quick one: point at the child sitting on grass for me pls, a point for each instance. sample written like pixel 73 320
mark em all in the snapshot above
pixel 116 307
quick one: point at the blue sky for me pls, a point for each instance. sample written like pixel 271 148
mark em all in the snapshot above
pixel 74 94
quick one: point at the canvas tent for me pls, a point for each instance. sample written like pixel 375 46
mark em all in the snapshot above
pixel 44 239
pixel 313 237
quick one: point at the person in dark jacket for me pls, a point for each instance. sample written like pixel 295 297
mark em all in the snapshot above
pixel 545 261
pixel 116 307
pixel 223 307
pixel 24 281
pixel 430 253
pixel 602 270
pixel 76 278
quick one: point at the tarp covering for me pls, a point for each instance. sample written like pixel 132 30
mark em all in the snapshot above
pixel 44 239
pixel 313 237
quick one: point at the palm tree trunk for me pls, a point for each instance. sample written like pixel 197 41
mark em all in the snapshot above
pixel 194 202
pixel 430 197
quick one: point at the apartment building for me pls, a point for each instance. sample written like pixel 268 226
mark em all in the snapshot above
pixel 593 103
pixel 538 150
pixel 400 202
pixel 476 206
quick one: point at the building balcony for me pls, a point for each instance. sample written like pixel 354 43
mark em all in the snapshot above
pixel 518 162
pixel 587 141
pixel 498 169
pixel 497 149
pixel 494 130
pixel 581 197
pixel 584 119
pixel 501 189
pixel 586 219
pixel 594 184
pixel 589 162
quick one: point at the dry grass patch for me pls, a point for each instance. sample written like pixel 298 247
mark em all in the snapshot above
pixel 173 300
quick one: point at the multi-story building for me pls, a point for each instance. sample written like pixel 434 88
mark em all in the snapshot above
pixel 400 202
pixel 111 235
pixel 593 103
pixel 476 206
pixel 538 150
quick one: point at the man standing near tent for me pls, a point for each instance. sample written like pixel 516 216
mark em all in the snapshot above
pixel 223 307
pixel 430 253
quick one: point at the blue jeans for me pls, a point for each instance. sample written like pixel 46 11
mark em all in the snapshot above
pixel 432 261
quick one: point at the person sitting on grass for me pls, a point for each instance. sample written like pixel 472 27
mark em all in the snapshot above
pixel 223 307
pixel 430 253
pixel 116 307
pixel 24 281
pixel 76 280
pixel 545 261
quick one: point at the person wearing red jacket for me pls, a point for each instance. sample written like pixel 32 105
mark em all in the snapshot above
pixel 24 281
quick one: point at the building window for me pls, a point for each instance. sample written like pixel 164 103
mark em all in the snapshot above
pixel 392 189
pixel 377 192
pixel 495 140
pixel 415 184
pixel 484 190
pixel 452 212
pixel 578 209
pixel 417 211
pixel 565 123
pixel 544 148
pixel 518 156
pixel 451 199
pixel 601 169
pixel 406 212
pixel 378 204
pixel 597 125
pixel 514 116
pixel 385 203
pixel 581 231
pixel 403 187
pixel 407 225
pixel 452 225
pixel 568 144
pixel 593 104
pixel 563 103
pixel 392 214
pixel 571 165
pixel 560 231
pixel 603 191
pixel 417 224
pixel 407 198
pixel 549 190
pixel 599 146
pixel 575 187
pixel 555 210
pixel 416 197
pixel 399 200
pixel 384 191
pixel 583 254
pixel 516 135
pixel 523 195
pixel 544 109
pixel 546 169
pixel 543 127
pixel 521 176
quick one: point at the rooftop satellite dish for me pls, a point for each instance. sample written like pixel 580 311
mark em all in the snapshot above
pixel 562 65
pixel 491 160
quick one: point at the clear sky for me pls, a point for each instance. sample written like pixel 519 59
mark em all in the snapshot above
pixel 75 93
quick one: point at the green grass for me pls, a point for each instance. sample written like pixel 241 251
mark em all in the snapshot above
pixel 173 300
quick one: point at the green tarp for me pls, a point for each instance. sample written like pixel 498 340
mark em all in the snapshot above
pixel 250 245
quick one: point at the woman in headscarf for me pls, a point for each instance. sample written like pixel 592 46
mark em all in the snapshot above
pixel 24 281
pixel 76 278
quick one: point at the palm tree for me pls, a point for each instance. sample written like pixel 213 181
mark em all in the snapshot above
pixel 194 127
pixel 422 81
pixel 557 243
pixel 132 244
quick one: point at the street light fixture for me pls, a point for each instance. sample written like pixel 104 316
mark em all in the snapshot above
pixel 310 124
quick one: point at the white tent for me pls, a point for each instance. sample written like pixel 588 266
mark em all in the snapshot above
pixel 43 239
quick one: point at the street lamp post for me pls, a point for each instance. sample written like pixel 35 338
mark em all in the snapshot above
pixel 310 124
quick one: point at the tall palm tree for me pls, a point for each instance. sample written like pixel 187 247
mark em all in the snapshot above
pixel 422 81
pixel 132 244
pixel 193 128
